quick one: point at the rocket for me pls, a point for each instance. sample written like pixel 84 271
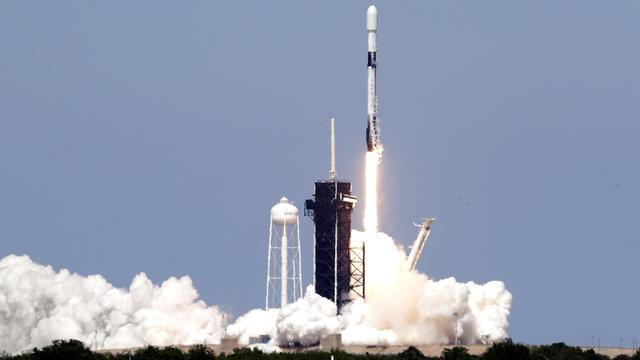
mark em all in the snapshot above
pixel 373 128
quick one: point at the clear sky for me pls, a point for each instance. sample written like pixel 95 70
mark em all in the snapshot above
pixel 155 136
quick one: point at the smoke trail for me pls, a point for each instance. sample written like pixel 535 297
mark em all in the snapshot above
pixel 38 305
pixel 371 192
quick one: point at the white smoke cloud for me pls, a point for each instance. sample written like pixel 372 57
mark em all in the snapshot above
pixel 410 308
pixel 38 305
pixel 402 307
pixel 303 322
pixel 255 323
pixel 307 320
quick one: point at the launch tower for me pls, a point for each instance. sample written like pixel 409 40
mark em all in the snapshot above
pixel 338 265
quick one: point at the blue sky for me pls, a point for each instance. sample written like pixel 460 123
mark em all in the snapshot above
pixel 155 137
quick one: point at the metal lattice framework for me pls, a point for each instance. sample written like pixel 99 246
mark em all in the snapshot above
pixel 338 268
pixel 277 233
pixel 357 256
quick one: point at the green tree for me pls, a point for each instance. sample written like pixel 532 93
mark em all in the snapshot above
pixel 200 352
pixel 172 353
pixel 457 353
pixel 622 357
pixel 507 350
pixel 147 353
pixel 592 355
pixel 247 354
pixel 557 351
pixel 63 350
pixel 154 353
pixel 411 353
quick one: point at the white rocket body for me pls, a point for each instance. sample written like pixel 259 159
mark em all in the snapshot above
pixel 373 128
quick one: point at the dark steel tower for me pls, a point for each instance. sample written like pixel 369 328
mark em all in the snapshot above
pixel 331 211
pixel 338 265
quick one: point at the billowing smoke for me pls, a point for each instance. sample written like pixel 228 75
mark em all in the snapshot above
pixel 38 304
pixel 303 322
pixel 402 307
pixel 255 323
pixel 406 307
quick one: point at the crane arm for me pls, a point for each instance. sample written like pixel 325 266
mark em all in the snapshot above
pixel 418 245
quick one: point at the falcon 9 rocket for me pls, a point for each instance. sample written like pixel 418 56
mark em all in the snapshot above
pixel 373 127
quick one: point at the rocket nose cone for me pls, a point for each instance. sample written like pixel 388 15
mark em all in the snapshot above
pixel 372 18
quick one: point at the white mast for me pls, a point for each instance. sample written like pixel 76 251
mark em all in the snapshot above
pixel 332 171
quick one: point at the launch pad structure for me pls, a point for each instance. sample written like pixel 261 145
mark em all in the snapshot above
pixel 339 267
pixel 338 264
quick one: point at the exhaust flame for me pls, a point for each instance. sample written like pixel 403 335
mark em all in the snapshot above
pixel 371 192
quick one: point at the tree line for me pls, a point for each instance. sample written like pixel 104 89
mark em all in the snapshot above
pixel 507 350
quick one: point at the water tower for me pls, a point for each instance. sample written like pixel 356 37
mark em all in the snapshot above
pixel 284 269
